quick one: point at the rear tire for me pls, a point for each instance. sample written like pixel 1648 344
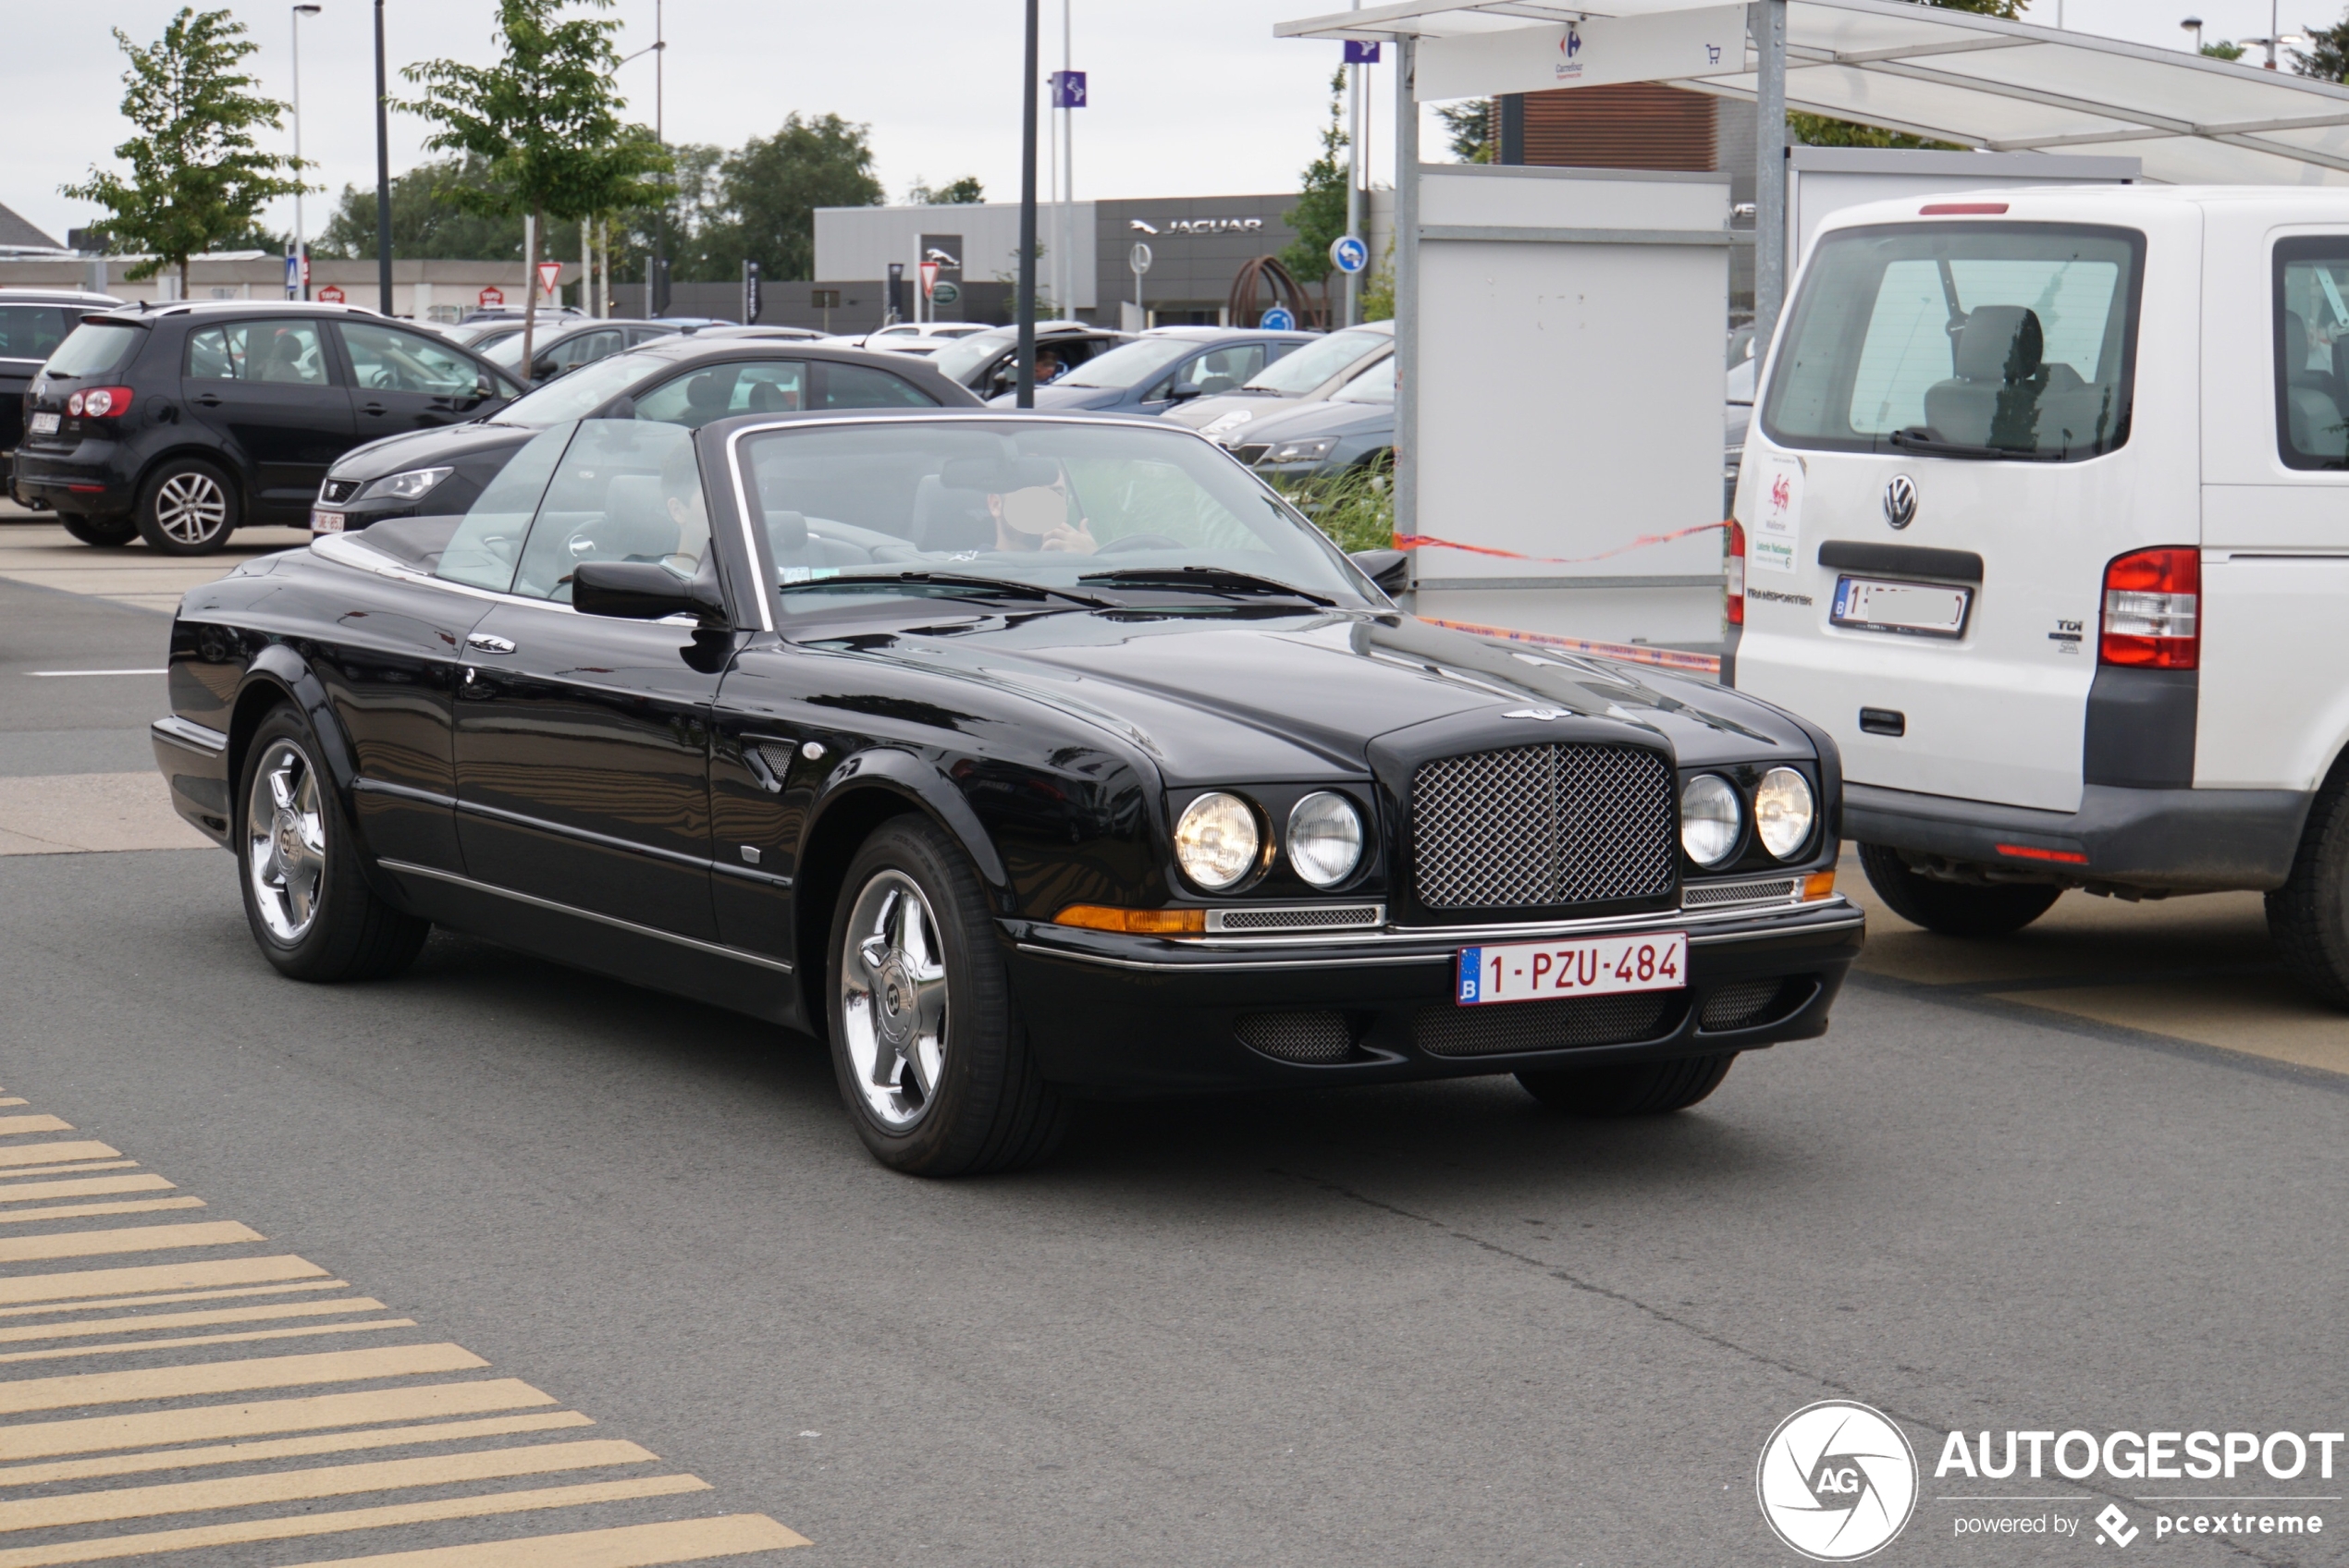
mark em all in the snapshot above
pixel 933 1062
pixel 306 897
pixel 1646 1088
pixel 106 533
pixel 1953 908
pixel 188 508
pixel 2309 916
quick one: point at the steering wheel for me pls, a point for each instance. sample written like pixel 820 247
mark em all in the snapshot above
pixel 1139 542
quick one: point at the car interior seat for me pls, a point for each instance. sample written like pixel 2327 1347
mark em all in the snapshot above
pixel 284 363
pixel 766 397
pixel 950 516
pixel 2005 392
pixel 2312 397
pixel 707 394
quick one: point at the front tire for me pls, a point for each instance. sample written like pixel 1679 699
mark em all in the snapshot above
pixel 188 508
pixel 1646 1088
pixel 105 532
pixel 306 899
pixel 932 1061
pixel 1955 909
pixel 2309 916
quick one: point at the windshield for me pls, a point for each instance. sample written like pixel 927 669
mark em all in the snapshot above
pixel 1967 339
pixel 506 353
pixel 1130 365
pixel 577 395
pixel 1375 385
pixel 95 348
pixel 1316 362
pixel 964 355
pixel 1101 512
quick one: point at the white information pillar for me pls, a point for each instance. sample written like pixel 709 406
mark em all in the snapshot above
pixel 1565 326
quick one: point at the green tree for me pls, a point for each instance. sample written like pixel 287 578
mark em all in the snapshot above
pixel 772 186
pixel 2326 56
pixel 197 179
pixel 965 191
pixel 545 121
pixel 2224 51
pixel 1318 216
pixel 1468 127
pixel 1824 130
pixel 426 222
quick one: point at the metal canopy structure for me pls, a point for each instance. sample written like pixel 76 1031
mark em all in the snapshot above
pixel 1977 81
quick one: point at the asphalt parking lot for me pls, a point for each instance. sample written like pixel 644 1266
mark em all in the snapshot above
pixel 2084 1176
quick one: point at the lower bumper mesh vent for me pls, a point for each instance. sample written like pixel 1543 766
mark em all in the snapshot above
pixel 1542 1026
pixel 1319 1037
pixel 1749 1003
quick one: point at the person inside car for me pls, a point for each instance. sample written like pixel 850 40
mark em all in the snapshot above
pixel 1040 516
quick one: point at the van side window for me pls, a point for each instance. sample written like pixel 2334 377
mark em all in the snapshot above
pixel 2312 352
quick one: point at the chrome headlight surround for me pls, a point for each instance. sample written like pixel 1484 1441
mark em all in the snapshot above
pixel 1325 838
pixel 407 486
pixel 1218 840
pixel 1712 819
pixel 1784 813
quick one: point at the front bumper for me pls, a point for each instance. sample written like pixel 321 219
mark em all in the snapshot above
pixel 1132 1015
pixel 2159 840
pixel 194 761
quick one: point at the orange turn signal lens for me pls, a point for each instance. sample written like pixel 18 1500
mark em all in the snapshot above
pixel 1819 885
pixel 1135 921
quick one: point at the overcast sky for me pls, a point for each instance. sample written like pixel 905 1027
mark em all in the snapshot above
pixel 1190 97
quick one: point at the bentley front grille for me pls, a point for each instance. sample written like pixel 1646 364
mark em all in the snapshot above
pixel 1717 895
pixel 1537 826
pixel 1299 917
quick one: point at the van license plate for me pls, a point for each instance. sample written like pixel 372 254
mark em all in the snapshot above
pixel 1911 609
pixel 1528 971
pixel 325 522
pixel 44 424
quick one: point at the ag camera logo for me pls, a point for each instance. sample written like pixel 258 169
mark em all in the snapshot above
pixel 1837 1481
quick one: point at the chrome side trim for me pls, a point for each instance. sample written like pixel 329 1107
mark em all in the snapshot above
pixel 350 550
pixel 715 949
pixel 581 835
pixel 188 736
pixel 367 786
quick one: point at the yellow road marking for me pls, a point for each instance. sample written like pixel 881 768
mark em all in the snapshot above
pixel 89 1187
pixel 208 1340
pixel 333 1480
pixel 76 1211
pixel 628 1546
pixel 231 1376
pixel 190 1320
pixel 11 1125
pixel 140 1238
pixel 279 1448
pixel 349 1519
pixel 157 1277
pixel 111 1304
pixel 76 1165
pixel 42 1439
pixel 44 1154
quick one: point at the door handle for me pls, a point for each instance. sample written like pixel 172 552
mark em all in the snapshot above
pixel 482 642
pixel 209 400
pixel 371 408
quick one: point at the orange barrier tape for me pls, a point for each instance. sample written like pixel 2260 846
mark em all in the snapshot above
pixel 1429 540
pixel 1627 652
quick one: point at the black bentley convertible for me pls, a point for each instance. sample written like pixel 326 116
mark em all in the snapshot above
pixel 1023 758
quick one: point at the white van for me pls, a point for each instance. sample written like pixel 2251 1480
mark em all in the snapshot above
pixel 2045 518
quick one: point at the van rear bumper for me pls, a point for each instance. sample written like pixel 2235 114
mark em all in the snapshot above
pixel 2180 840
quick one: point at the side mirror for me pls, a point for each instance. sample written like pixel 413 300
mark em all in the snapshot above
pixel 1391 570
pixel 647 590
pixel 1184 392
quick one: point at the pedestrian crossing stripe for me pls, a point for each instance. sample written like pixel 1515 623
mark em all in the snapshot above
pixel 243 1435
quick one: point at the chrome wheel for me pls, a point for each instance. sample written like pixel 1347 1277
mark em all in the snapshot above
pixel 892 1000
pixel 191 508
pixel 286 841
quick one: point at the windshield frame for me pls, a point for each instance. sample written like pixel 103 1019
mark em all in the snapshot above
pixel 1367 594
pixel 2130 289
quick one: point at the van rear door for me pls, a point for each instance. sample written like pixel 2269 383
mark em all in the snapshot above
pixel 1950 449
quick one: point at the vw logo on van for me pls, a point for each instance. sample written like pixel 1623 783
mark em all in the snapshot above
pixel 1901 501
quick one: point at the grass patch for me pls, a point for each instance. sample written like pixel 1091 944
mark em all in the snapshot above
pixel 1355 505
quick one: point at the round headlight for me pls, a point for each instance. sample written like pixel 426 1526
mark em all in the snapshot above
pixel 1709 818
pixel 1324 838
pixel 1216 841
pixel 1782 811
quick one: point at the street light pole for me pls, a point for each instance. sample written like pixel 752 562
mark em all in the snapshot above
pixel 302 239
pixel 1024 395
pixel 657 272
pixel 383 172
pixel 1355 153
pixel 1768 22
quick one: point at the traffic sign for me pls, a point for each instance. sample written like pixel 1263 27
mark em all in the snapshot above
pixel 493 298
pixel 929 279
pixel 1348 254
pixel 293 275
pixel 1277 319
pixel 1068 90
pixel 946 294
pixel 550 273
pixel 332 294
pixel 1138 258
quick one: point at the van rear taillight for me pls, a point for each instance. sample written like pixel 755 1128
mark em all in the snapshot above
pixel 1734 571
pixel 2153 609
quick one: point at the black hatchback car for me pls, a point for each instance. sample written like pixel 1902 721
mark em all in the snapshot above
pixel 181 423
pixel 680 379
pixel 32 323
